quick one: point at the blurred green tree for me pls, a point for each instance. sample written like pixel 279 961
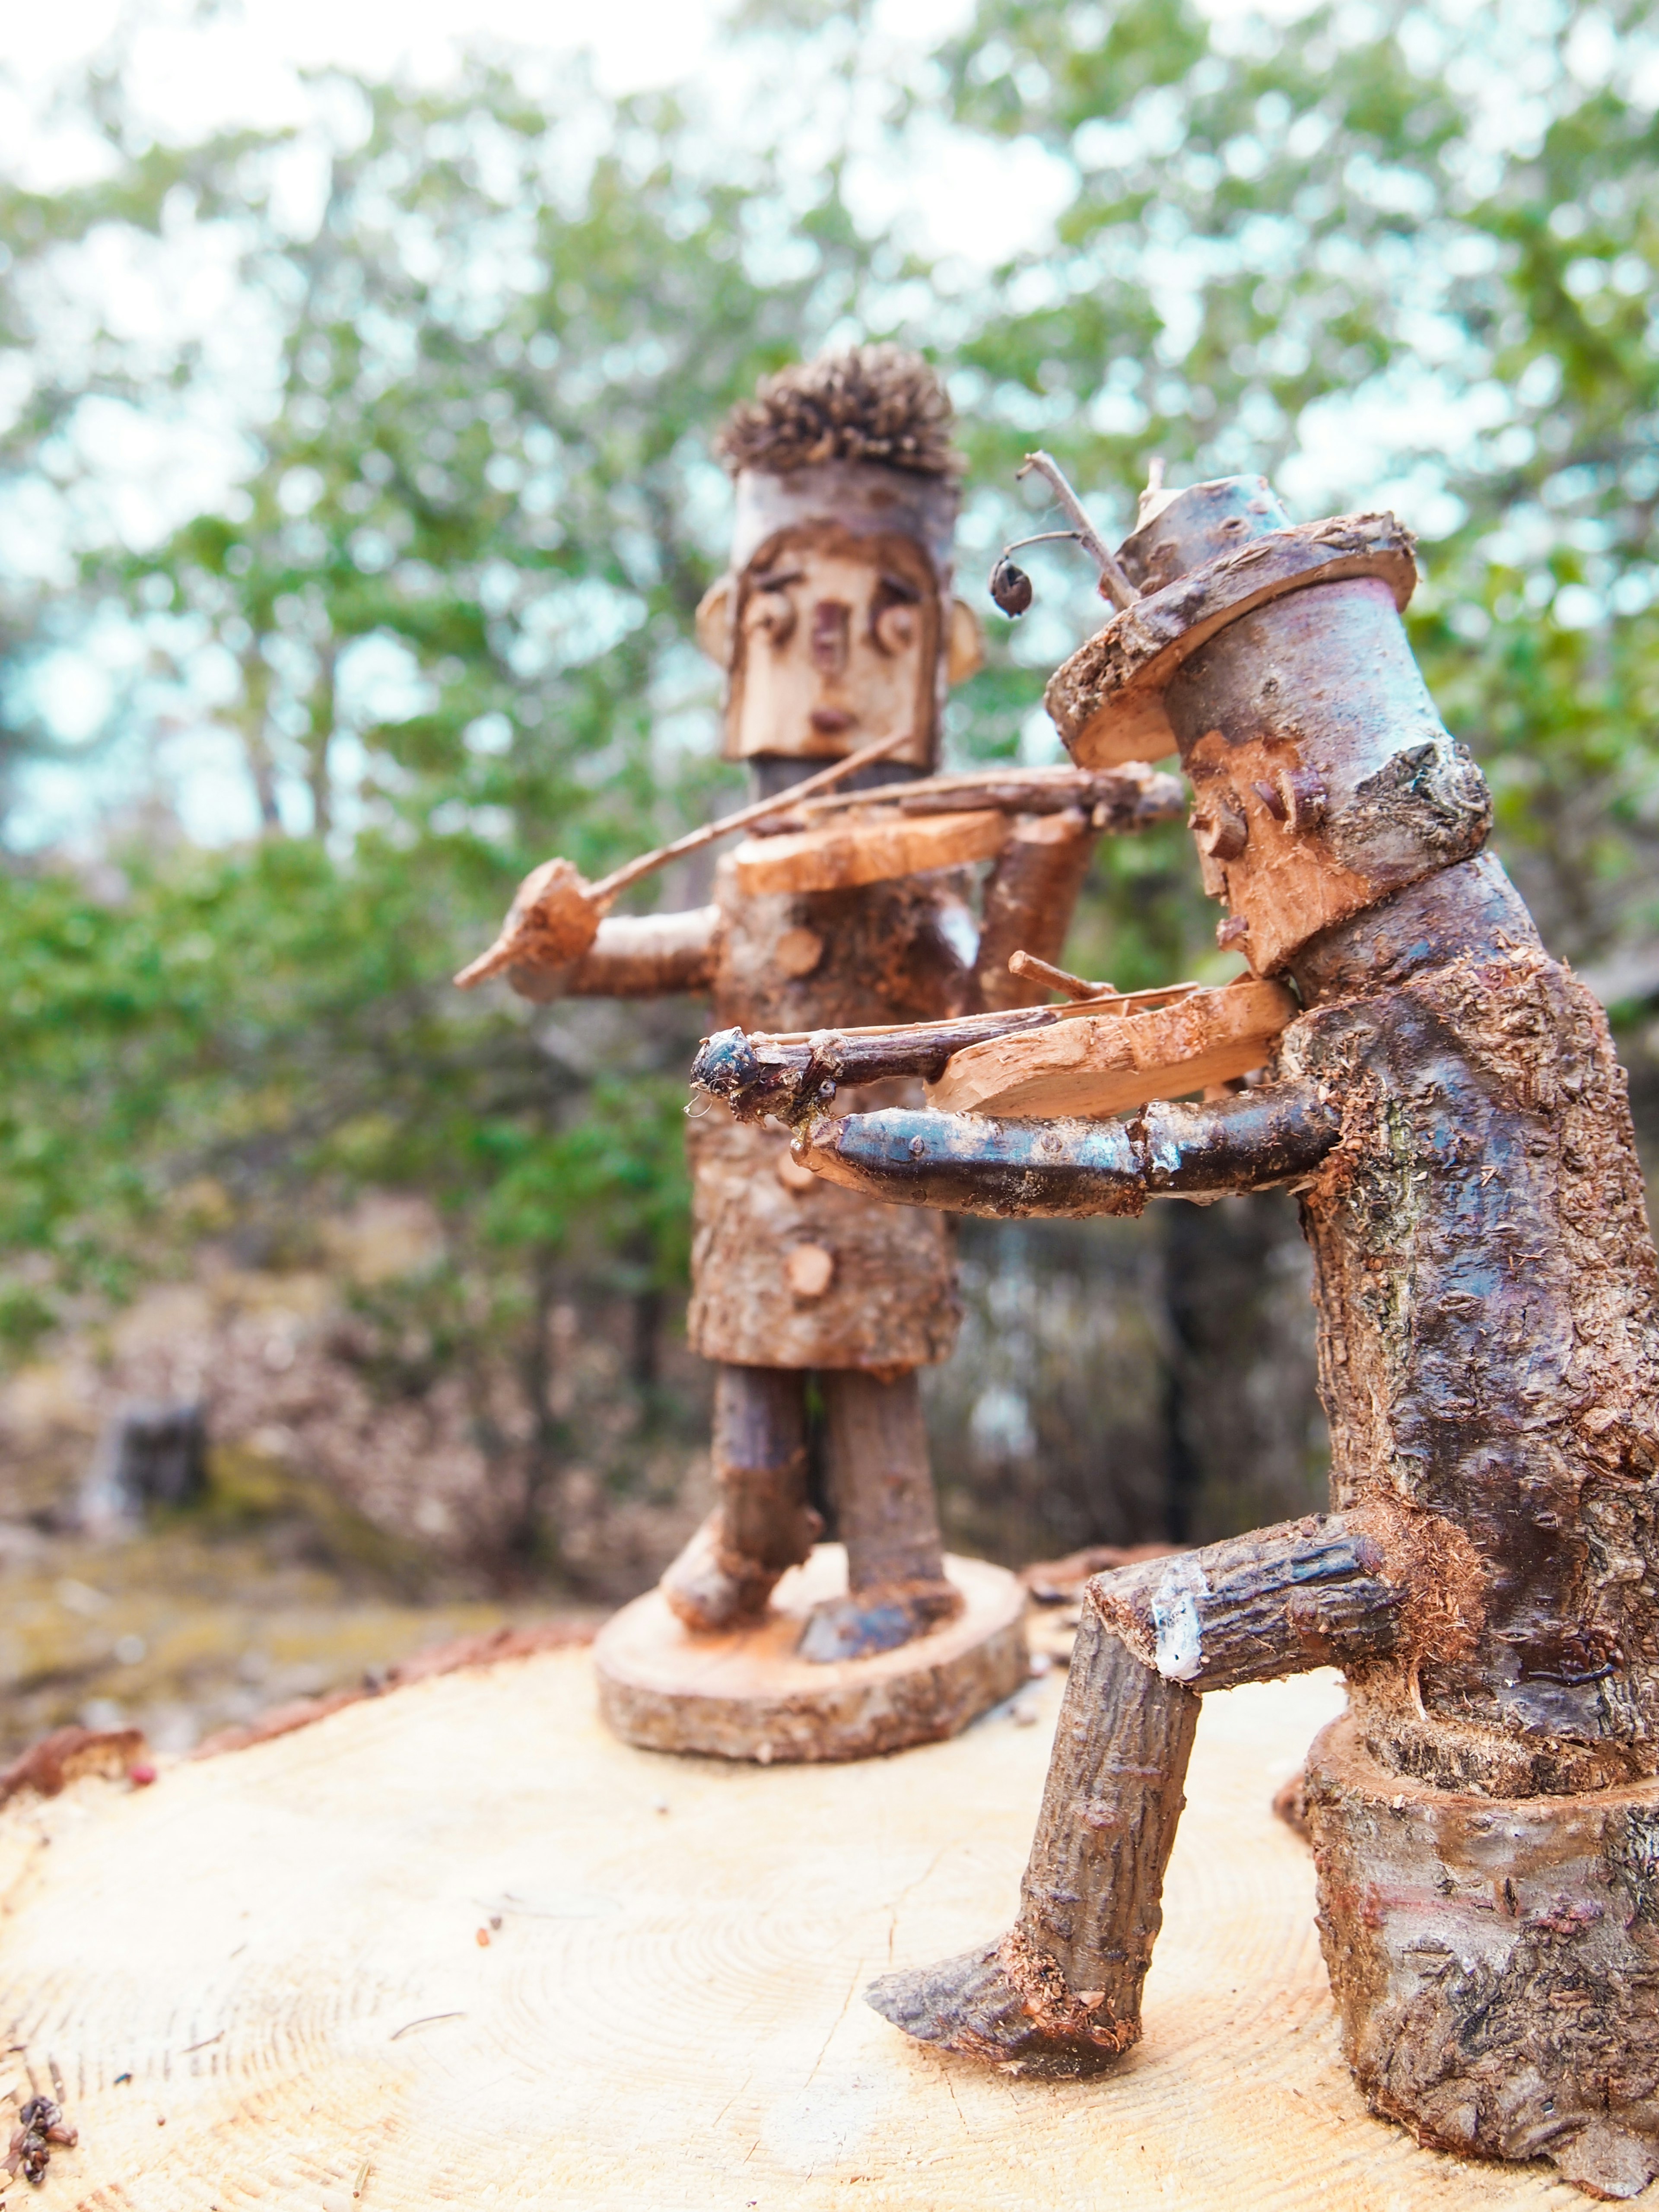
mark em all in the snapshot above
pixel 446 618
pixel 1386 251
pixel 1398 252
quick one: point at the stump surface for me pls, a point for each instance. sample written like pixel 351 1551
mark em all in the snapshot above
pixel 746 1694
pixel 280 1946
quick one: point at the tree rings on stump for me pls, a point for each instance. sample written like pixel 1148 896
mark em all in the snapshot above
pixel 746 1693
pixel 1496 1962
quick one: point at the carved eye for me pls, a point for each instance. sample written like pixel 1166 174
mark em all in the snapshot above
pixel 773 614
pixel 894 629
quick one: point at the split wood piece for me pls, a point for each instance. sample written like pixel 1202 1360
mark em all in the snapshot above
pixel 792 1073
pixel 1494 1961
pixel 1111 1061
pixel 555 912
pixel 747 1694
pixel 845 855
pixel 1107 701
pixel 1131 797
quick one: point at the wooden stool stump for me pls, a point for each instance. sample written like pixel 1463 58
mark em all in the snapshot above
pixel 746 1694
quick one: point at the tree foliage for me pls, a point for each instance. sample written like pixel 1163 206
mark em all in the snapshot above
pixel 442 617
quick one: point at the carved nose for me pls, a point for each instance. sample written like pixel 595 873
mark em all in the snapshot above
pixel 830 625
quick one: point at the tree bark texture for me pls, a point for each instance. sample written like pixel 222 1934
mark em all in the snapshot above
pixel 1450 1111
pixel 1494 1963
pixel 876 1445
pixel 789 1270
pixel 1248 1140
pixel 1065 1982
pixel 762 1523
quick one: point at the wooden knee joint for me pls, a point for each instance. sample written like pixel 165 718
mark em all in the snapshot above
pixel 1322 1591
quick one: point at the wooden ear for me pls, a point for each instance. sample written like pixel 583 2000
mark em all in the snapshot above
pixel 964 645
pixel 714 622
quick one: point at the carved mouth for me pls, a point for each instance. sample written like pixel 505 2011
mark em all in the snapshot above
pixel 830 721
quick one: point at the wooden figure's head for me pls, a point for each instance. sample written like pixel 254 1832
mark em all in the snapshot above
pixel 835 624
pixel 1272 656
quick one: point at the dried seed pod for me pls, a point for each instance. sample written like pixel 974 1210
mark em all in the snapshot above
pixel 1010 587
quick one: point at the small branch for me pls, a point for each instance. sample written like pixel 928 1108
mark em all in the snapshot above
pixel 1114 584
pixel 1058 979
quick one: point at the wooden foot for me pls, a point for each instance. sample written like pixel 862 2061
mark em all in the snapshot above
pixel 749 1694
pixel 973 2005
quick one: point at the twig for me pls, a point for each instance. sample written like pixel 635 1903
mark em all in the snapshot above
pixel 619 878
pixel 1114 584
pixel 1058 979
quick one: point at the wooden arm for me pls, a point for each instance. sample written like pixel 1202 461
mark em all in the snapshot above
pixel 1028 900
pixel 633 957
pixel 965 1164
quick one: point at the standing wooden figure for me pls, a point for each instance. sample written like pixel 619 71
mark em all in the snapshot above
pixel 1447 1105
pixel 836 627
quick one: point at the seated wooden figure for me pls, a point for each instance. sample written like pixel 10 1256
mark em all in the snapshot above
pixel 837 629
pixel 1447 1105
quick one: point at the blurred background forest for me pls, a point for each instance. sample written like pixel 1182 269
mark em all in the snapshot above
pixel 355 496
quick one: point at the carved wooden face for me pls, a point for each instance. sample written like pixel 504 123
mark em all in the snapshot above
pixel 834 643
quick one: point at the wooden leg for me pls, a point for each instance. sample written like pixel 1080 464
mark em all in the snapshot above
pixel 1065 1982
pixel 882 1488
pixel 762 1523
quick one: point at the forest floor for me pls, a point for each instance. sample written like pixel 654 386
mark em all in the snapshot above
pixel 187 1628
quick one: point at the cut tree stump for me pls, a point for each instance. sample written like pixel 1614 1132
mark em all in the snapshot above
pixel 746 1694
pixel 276 1951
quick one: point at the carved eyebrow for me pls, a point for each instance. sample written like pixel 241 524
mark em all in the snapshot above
pixel 895 588
pixel 778 578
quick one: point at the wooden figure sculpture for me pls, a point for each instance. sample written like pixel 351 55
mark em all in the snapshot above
pixel 1446 1103
pixel 837 631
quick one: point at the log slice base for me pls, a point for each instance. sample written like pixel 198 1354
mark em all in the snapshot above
pixel 1495 1962
pixel 747 1694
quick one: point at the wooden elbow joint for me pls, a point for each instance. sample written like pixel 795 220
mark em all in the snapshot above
pixel 1316 1592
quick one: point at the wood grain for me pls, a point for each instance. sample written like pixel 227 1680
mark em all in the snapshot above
pixel 668 2015
pixel 845 854
pixel 1099 1064
pixel 746 1693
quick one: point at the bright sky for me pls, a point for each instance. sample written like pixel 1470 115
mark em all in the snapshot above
pixel 190 68
pixel 241 61
pixel 187 71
